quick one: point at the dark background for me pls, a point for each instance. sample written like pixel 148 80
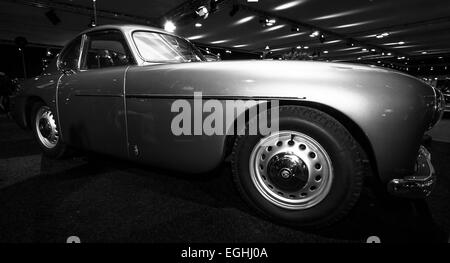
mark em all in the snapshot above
pixel 348 27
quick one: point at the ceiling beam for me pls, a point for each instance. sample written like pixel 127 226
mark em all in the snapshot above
pixel 326 32
pixel 86 11
pixel 416 24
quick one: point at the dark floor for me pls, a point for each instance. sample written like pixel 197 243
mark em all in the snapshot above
pixel 100 199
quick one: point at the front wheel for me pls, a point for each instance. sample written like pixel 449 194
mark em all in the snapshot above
pixel 309 173
pixel 46 131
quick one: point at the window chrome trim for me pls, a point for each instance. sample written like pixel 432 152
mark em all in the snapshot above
pixel 64 49
pixel 80 56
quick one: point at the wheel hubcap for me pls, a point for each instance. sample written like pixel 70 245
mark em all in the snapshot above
pixel 46 127
pixel 287 172
pixel 291 170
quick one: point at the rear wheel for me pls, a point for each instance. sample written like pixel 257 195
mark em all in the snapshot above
pixel 309 173
pixel 46 131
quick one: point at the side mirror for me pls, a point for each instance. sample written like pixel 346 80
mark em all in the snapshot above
pixel 67 71
pixel 64 68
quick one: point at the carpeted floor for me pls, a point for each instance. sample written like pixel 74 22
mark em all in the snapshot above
pixel 100 199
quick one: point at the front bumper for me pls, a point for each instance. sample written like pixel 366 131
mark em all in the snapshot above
pixel 418 185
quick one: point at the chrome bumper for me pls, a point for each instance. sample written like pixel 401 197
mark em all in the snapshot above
pixel 418 185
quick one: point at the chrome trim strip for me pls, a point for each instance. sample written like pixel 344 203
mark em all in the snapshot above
pixel 80 56
pixel 58 83
pixel 98 95
pixel 125 110
pixel 219 97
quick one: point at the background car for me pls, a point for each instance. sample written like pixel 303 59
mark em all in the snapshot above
pixel 444 86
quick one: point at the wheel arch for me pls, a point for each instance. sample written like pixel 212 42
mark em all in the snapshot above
pixel 356 131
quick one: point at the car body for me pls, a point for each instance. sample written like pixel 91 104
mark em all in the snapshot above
pixel 125 111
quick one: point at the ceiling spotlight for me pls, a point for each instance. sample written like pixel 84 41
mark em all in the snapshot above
pixel 322 38
pixel 299 47
pixel 267 48
pixel 359 58
pixel 389 54
pixel 269 21
pixel 202 12
pixel 213 5
pixel 325 51
pixel 350 43
pixel 169 26
pixel 228 51
pixel 401 43
pixel 314 33
pixel 373 50
pixel 364 49
pixel 51 15
pixel 198 25
pixel 295 29
pixel 305 47
pixel 92 23
pixel 424 52
pixel 234 10
pixel 382 35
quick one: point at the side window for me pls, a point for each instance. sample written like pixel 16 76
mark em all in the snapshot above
pixel 69 57
pixel 106 49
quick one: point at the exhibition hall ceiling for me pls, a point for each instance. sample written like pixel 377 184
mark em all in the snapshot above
pixel 347 29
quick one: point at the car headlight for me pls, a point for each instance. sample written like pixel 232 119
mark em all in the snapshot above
pixel 439 107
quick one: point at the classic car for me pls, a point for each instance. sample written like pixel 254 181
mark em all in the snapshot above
pixel 113 87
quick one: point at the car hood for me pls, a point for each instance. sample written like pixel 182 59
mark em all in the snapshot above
pixel 271 78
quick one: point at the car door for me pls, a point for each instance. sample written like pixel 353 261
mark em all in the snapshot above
pixel 151 91
pixel 91 94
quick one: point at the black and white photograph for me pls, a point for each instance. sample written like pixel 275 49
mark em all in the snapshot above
pixel 226 127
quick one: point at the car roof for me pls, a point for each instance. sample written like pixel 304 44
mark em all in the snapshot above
pixel 126 28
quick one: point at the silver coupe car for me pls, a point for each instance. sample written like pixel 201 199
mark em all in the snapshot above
pixel 113 89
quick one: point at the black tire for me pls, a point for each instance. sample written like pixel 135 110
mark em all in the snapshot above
pixel 347 162
pixel 59 150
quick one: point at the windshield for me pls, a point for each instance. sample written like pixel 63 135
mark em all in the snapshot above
pixel 157 47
